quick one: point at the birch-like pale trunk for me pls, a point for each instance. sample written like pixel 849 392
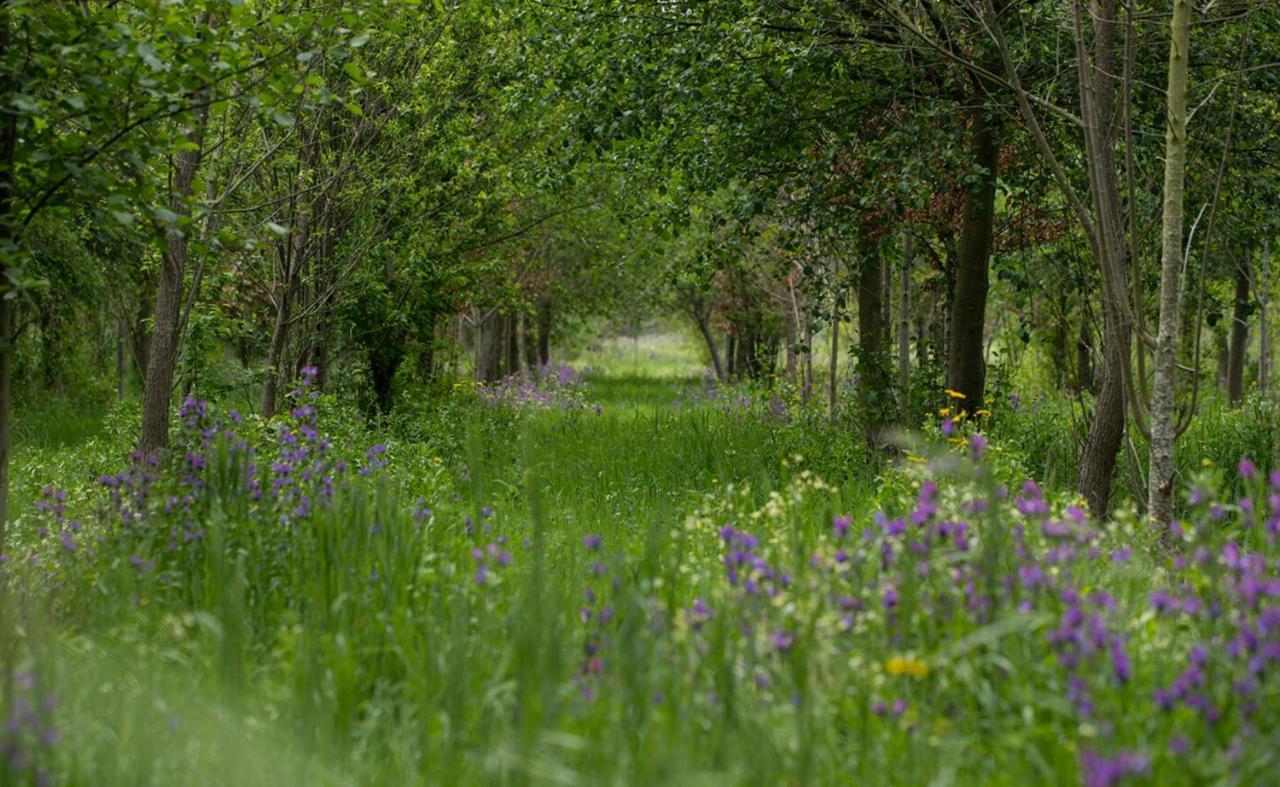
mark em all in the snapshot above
pixel 904 325
pixel 1163 417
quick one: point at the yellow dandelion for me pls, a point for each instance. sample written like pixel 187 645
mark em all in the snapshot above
pixel 897 666
pixel 954 394
pixel 944 411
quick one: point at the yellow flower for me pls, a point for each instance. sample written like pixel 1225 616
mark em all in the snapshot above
pixel 944 411
pixel 916 458
pixel 898 666
pixel 954 394
pixel 984 411
pixel 436 459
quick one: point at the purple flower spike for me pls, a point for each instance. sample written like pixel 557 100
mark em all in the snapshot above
pixel 1247 468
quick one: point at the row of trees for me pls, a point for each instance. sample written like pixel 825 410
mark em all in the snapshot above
pixel 940 133
pixel 194 187
pixel 401 190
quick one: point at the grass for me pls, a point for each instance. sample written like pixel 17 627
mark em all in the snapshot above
pixel 657 592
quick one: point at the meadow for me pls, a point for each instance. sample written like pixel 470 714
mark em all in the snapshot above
pixel 628 576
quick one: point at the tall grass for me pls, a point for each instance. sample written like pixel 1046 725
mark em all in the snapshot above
pixel 643 594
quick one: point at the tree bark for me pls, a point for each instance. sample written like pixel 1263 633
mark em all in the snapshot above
pixel 1086 380
pixel 544 331
pixel 165 341
pixel 279 337
pixel 489 347
pixel 1239 332
pixel 874 375
pixel 1097 79
pixel 717 363
pixel 966 365
pixel 1261 281
pixel 904 326
pixel 530 338
pixel 1164 385
pixel 835 344
pixel 512 326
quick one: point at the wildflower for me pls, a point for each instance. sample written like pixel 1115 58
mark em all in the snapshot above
pixel 897 666
pixel 1247 468
pixel 782 640
pixel 842 523
pixel 592 541
pixel 954 394
pixel 1101 771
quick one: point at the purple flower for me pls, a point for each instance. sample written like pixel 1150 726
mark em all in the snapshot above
pixel 1247 468
pixel 1102 771
pixel 842 523
pixel 592 541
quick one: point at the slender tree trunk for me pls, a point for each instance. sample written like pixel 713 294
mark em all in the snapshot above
pixel 1222 344
pixel 1239 332
pixel 122 358
pixel 1086 379
pixel 1164 385
pixel 704 328
pixel 158 386
pixel 544 331
pixel 512 326
pixel 1261 284
pixel 489 347
pixel 808 360
pixel 835 344
pixel 279 336
pixel 1097 78
pixel 904 326
pixel 530 340
pixel 871 332
pixel 966 366
pixel 791 331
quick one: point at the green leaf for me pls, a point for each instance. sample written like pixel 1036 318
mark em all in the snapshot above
pixel 122 216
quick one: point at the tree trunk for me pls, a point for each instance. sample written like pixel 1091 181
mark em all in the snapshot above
pixel 544 331
pixel 489 347
pixel 835 343
pixel 122 358
pixel 165 341
pixel 279 336
pixel 1261 282
pixel 904 327
pixel 873 372
pixel 530 339
pixel 291 253
pixel 966 366
pixel 1086 379
pixel 1239 332
pixel 717 363
pixel 1097 79
pixel 1164 385
pixel 791 332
